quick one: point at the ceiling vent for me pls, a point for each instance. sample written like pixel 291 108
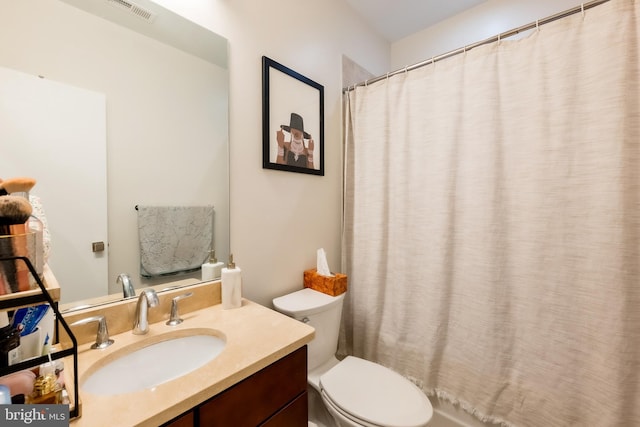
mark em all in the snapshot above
pixel 133 9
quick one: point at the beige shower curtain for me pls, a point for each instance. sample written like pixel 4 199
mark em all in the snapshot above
pixel 492 224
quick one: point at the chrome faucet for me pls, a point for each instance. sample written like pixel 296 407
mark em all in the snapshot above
pixel 148 298
pixel 102 337
pixel 127 286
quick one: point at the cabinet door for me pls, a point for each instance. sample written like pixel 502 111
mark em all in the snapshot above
pixel 259 397
pixel 39 120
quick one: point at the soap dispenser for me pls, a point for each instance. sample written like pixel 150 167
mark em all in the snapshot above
pixel 231 285
pixel 211 270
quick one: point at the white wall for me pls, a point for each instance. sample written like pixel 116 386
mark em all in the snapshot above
pixel 486 20
pixel 279 219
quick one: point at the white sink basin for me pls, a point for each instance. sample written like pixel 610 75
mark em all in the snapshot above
pixel 153 365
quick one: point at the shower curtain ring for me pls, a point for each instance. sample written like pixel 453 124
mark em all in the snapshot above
pixel 582 9
pixel 537 25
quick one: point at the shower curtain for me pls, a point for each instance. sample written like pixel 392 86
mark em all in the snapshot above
pixel 492 224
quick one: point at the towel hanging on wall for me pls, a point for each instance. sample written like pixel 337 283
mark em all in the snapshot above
pixel 173 239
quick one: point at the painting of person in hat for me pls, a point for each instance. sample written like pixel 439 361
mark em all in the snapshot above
pixel 294 152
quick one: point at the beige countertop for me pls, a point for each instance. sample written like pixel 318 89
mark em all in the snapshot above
pixel 255 337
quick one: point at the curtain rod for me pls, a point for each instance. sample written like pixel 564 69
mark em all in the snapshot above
pixel 506 34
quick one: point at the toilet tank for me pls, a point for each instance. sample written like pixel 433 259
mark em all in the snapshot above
pixel 319 310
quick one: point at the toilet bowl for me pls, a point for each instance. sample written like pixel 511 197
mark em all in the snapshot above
pixel 356 392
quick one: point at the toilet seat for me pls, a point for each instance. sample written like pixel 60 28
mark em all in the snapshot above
pixel 344 419
pixel 371 394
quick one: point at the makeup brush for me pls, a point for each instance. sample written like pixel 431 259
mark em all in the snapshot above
pixel 21 184
pixel 14 213
pixel 13 210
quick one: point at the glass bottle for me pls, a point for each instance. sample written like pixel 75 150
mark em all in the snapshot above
pixel 9 342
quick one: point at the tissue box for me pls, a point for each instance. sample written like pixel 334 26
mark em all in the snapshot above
pixel 329 285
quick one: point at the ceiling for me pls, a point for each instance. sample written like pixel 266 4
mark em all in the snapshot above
pixel 396 19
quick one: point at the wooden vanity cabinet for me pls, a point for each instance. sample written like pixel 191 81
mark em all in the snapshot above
pixel 276 396
pixel 184 420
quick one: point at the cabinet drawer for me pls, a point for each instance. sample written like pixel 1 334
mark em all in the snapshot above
pixel 185 420
pixel 295 414
pixel 257 398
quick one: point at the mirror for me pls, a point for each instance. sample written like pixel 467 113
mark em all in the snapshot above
pixel 163 81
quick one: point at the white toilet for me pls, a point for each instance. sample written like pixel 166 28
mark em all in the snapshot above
pixel 355 391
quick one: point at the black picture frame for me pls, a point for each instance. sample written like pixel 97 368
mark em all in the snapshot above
pixel 291 101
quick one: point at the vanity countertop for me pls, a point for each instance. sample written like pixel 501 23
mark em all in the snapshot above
pixel 255 337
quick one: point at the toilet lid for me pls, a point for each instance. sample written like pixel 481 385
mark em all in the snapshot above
pixel 375 394
pixel 305 302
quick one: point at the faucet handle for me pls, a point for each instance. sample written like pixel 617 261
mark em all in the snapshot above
pixel 102 337
pixel 175 318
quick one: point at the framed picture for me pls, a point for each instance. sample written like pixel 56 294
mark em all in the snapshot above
pixel 292 120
